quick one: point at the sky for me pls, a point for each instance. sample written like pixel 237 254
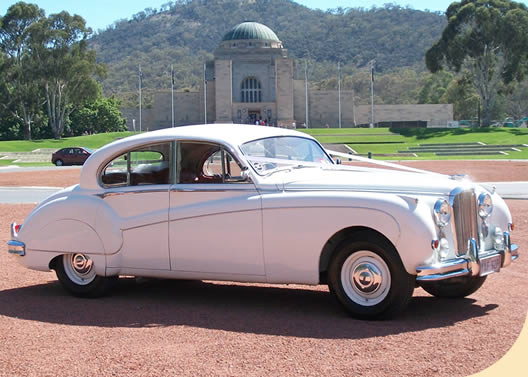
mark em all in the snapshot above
pixel 101 13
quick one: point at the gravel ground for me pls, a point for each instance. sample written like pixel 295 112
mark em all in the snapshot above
pixel 153 328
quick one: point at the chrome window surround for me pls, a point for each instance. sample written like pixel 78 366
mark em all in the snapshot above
pixel 225 148
pixel 104 165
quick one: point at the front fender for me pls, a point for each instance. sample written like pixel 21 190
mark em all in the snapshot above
pixel 297 226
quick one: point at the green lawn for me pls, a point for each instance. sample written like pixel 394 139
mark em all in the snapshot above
pixel 362 140
pixel 378 142
pixel 91 141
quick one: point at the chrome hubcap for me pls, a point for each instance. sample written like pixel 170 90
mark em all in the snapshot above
pixel 365 278
pixel 81 264
pixel 79 268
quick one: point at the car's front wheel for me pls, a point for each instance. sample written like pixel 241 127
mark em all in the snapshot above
pixel 367 277
pixel 454 288
pixel 76 273
pixel 59 162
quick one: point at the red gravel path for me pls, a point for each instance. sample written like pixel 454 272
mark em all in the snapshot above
pixel 226 329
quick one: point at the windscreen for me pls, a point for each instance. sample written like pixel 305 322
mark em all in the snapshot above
pixel 266 155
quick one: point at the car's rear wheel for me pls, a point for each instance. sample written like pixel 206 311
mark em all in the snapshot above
pixel 367 277
pixel 454 288
pixel 59 162
pixel 76 272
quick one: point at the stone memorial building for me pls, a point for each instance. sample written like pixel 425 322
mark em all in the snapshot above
pixel 252 78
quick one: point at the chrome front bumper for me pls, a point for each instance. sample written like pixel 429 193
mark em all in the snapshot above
pixel 468 265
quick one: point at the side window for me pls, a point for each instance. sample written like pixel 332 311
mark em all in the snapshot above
pixel 148 165
pixel 207 163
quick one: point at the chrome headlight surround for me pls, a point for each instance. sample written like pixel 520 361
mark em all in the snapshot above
pixel 485 205
pixel 442 212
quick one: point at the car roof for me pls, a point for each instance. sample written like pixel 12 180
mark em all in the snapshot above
pixel 232 135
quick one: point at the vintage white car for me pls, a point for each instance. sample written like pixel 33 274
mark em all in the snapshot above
pixel 259 204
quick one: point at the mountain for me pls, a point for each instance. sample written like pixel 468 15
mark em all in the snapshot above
pixel 185 33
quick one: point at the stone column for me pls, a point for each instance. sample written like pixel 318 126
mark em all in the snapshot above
pixel 223 90
pixel 284 91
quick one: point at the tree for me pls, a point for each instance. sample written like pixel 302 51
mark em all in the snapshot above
pixel 489 38
pixel 67 67
pixel 101 115
pixel 20 84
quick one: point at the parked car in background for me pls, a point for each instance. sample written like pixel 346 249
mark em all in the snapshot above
pixel 71 156
pixel 268 205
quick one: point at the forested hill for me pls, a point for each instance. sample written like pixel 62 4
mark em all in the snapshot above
pixel 186 32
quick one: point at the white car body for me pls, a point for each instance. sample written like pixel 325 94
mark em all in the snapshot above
pixel 279 227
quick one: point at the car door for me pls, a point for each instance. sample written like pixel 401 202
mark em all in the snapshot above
pixel 77 155
pixel 215 221
pixel 137 187
pixel 68 156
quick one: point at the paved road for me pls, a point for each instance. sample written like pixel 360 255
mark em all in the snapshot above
pixel 13 195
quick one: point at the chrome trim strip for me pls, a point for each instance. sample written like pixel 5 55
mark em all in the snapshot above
pixel 201 189
pixel 16 247
pixel 117 193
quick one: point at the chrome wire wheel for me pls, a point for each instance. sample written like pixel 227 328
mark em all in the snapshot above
pixel 365 278
pixel 79 268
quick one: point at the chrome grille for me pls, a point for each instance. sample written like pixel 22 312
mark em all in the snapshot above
pixel 465 214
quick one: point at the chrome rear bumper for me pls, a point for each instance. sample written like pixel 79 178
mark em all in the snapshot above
pixel 16 247
pixel 466 265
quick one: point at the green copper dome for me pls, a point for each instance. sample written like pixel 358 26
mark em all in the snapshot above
pixel 251 30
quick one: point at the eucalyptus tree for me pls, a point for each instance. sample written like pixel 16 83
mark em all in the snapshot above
pixel 67 67
pixel 22 95
pixel 486 39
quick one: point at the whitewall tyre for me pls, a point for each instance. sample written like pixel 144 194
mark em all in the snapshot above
pixel 77 275
pixel 367 277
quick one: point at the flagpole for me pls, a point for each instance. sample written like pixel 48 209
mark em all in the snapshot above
pixel 339 89
pixel 140 81
pixel 306 93
pixel 205 95
pixel 372 62
pixel 172 94
pixel 354 106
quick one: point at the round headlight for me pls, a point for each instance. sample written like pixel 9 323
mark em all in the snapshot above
pixel 442 212
pixel 485 205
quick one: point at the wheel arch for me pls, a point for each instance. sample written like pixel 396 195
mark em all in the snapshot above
pixel 332 245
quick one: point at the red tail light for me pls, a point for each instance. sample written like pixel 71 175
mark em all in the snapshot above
pixel 17 227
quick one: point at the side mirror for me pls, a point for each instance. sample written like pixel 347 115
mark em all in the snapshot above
pixel 338 161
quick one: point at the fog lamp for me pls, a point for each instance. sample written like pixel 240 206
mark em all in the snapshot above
pixel 498 239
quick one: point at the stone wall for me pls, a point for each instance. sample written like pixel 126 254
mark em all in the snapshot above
pixel 323 108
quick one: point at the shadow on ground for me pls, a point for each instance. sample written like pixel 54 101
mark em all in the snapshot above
pixel 239 308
